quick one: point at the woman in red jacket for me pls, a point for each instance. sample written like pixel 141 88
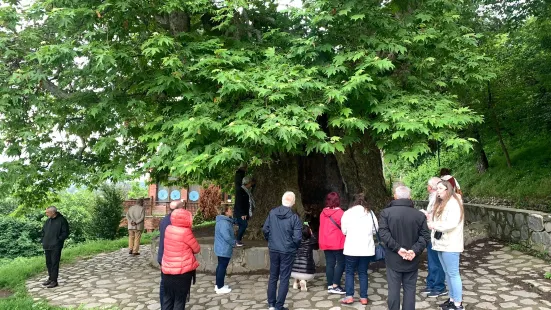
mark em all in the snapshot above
pixel 179 263
pixel 331 241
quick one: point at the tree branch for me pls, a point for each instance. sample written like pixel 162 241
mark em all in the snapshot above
pixel 54 89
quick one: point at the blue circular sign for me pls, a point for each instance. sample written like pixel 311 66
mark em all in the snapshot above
pixel 193 196
pixel 162 194
pixel 175 195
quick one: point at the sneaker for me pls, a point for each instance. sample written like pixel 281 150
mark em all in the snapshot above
pixel 295 284
pixel 337 290
pixel 239 243
pixel 47 282
pixel 426 291
pixel 271 307
pixel 329 288
pixel 445 305
pixel 452 306
pixel 52 284
pixel 216 287
pixel 223 290
pixel 303 287
pixel 364 301
pixel 347 300
pixel 437 294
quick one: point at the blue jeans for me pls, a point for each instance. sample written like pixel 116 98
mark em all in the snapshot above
pixel 280 268
pixel 242 227
pixel 450 263
pixel 334 266
pixel 353 264
pixel 221 270
pixel 436 278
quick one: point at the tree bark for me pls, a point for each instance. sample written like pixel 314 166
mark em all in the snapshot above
pixel 312 177
pixel 497 127
pixel 482 160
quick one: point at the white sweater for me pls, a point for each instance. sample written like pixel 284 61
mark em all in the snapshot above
pixel 357 226
pixel 451 226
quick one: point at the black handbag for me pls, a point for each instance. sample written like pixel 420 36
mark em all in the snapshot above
pixel 379 248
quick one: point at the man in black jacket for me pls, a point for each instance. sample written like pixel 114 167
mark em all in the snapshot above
pixel 54 233
pixel 244 202
pixel 283 230
pixel 404 231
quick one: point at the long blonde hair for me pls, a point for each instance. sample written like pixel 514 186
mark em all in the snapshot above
pixel 440 203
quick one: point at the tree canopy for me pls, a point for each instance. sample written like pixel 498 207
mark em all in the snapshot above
pixel 90 90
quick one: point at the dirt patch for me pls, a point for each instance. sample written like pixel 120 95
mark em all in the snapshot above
pixel 5 293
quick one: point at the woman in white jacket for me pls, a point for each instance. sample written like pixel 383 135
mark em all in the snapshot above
pixel 358 224
pixel 447 239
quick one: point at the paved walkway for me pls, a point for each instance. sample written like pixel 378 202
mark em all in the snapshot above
pixel 494 277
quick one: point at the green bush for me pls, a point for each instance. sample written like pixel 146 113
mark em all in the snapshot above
pixel 7 206
pixel 76 208
pixel 19 237
pixel 107 213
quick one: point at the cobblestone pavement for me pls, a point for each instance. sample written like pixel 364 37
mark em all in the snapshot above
pixel 494 277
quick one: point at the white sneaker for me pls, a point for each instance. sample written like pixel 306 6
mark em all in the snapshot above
pixel 303 287
pixel 223 290
pixel 295 284
pixel 216 287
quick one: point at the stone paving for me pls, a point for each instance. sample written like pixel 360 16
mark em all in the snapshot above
pixel 494 277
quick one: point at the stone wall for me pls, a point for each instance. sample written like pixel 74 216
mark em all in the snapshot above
pixel 532 228
pixel 244 260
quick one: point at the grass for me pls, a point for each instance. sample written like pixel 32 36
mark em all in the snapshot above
pixel 14 274
pixel 526 185
pixel 204 224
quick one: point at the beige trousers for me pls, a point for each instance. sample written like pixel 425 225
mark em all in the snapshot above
pixel 134 237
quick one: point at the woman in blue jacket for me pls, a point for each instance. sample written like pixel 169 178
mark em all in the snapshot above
pixel 224 241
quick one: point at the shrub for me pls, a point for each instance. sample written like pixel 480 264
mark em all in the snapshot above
pixel 76 208
pixel 209 202
pixel 7 205
pixel 19 237
pixel 107 213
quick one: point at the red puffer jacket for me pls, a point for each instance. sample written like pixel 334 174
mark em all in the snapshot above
pixel 180 244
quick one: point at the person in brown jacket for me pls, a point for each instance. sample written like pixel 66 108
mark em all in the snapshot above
pixel 135 217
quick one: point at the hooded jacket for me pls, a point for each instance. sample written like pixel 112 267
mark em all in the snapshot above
pixel 241 205
pixel 54 232
pixel 357 225
pixel 283 230
pixel 330 236
pixel 224 239
pixel 180 245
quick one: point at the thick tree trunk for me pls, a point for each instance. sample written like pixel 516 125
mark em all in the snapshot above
pixel 311 178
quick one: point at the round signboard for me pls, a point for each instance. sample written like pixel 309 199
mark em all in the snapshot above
pixel 193 196
pixel 162 194
pixel 175 195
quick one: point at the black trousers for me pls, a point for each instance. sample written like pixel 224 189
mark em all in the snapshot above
pixel 176 290
pixel 52 262
pixel 396 280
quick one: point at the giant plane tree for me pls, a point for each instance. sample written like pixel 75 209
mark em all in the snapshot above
pixel 311 96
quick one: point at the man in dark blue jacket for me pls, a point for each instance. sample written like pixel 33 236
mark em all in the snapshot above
pixel 162 227
pixel 283 230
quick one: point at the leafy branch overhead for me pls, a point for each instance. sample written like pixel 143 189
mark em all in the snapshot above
pixel 90 91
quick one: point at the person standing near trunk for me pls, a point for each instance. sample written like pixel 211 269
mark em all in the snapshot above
pixel 244 202
pixel 224 241
pixel 54 233
pixel 135 217
pixel 331 241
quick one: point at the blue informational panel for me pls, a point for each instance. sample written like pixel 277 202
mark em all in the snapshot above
pixel 175 194
pixel 162 195
pixel 194 196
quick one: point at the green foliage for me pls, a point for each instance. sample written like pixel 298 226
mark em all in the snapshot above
pixel 547 275
pixel 107 213
pixel 76 208
pixel 137 191
pixel 198 218
pixel 7 205
pixel 137 88
pixel 19 237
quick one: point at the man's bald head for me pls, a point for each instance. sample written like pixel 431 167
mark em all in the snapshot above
pixel 176 204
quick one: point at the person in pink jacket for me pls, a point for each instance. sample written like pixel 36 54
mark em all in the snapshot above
pixel 331 241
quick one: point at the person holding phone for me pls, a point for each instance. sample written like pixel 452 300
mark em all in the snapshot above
pixel 447 223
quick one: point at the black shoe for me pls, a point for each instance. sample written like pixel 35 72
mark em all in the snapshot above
pixel 130 252
pixel 437 294
pixel 283 308
pixel 452 306
pixel 52 284
pixel 136 254
pixel 47 282
pixel 446 304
